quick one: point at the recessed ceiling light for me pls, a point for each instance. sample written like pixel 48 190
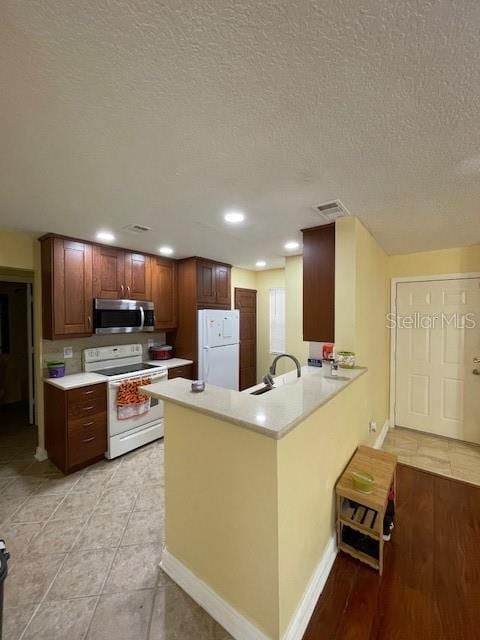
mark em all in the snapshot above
pixel 261 263
pixel 166 251
pixel 234 217
pixel 290 246
pixel 106 236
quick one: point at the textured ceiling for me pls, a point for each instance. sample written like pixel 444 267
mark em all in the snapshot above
pixel 166 113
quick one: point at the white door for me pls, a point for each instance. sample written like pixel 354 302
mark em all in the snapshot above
pixel 437 342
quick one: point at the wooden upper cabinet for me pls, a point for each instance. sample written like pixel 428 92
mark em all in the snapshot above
pixel 164 293
pixel 222 284
pixel 138 280
pixel 319 284
pixel 66 288
pixel 206 282
pixel 109 273
pixel 121 274
pixel 213 284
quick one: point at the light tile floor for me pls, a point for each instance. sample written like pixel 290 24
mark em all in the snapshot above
pixel 451 458
pixel 85 549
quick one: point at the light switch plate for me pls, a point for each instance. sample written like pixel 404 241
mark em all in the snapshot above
pixel 68 352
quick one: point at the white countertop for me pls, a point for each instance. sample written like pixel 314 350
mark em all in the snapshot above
pixel 76 380
pixel 274 413
pixel 170 364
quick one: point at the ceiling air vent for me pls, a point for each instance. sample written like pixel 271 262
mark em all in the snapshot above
pixel 137 228
pixel 330 211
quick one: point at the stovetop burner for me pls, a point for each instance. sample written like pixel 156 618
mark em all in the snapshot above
pixel 126 368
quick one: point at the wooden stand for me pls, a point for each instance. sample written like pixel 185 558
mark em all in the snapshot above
pixel 368 517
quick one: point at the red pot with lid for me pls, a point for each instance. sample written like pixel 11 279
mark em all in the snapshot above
pixel 164 352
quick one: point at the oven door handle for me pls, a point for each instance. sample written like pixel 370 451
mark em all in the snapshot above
pixel 153 378
pixel 142 318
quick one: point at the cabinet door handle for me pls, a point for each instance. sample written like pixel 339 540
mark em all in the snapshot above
pixel 128 291
pixel 89 439
pixel 88 424
pixel 122 289
pixel 87 393
pixel 88 408
pixel 89 320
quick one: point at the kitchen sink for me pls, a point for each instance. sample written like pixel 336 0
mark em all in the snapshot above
pixel 259 392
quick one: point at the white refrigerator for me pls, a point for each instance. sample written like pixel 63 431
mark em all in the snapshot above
pixel 218 347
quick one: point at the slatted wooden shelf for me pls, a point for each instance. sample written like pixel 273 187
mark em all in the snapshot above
pixel 368 517
pixel 359 555
pixel 359 523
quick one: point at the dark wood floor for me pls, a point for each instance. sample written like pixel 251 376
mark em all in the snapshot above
pixel 430 588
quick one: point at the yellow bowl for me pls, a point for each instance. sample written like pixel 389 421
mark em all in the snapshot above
pixel 362 481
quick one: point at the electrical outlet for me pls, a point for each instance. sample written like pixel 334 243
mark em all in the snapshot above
pixel 150 342
pixel 372 426
pixel 68 352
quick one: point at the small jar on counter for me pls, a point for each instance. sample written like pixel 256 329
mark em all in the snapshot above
pixel 345 359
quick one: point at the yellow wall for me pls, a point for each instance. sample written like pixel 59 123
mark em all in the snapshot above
pixel 362 302
pixel 372 307
pixel 427 263
pixel 243 279
pixel 345 284
pixel 290 278
pixel 220 494
pixel 294 310
pixel 251 516
pixel 310 460
pixel 16 250
pixel 266 280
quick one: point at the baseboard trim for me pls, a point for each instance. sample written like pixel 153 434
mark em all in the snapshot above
pixel 41 455
pixel 382 435
pixel 302 615
pixel 237 625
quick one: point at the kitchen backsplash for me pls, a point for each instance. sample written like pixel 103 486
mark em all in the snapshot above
pixel 53 349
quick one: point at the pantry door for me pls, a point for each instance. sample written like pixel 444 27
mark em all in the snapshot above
pixel 437 381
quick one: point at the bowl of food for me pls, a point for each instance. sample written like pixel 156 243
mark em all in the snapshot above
pixel 345 359
pixel 362 481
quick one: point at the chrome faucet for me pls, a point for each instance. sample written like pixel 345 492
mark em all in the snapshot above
pixel 273 366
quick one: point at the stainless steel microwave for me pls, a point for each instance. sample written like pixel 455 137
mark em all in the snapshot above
pixel 123 316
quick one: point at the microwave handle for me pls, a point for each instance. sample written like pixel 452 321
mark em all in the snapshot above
pixel 142 318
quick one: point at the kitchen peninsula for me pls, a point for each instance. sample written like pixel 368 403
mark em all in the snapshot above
pixel 251 478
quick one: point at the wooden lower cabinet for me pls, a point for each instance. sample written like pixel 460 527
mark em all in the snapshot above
pixel 75 425
pixel 184 371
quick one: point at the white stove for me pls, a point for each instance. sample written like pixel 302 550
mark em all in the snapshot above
pixel 124 363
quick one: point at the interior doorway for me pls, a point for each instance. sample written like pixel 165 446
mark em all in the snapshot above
pixel 246 303
pixel 17 377
pixel 436 351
